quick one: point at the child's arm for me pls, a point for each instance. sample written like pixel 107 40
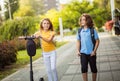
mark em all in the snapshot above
pixel 78 47
pixel 96 46
pixel 36 34
pixel 48 39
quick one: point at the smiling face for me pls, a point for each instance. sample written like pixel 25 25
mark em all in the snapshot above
pixel 86 21
pixel 83 21
pixel 45 25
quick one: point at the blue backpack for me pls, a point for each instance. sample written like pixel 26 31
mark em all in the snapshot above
pixel 92 35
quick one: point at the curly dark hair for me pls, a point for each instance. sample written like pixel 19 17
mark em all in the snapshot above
pixel 89 20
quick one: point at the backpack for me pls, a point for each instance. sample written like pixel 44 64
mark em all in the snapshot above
pixel 92 35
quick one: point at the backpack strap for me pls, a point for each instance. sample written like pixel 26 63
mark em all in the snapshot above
pixel 79 30
pixel 92 37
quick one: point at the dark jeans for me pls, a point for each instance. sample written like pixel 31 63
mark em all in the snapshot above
pixel 85 59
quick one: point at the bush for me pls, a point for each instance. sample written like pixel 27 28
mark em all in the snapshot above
pixel 21 44
pixel 101 30
pixel 14 28
pixel 8 54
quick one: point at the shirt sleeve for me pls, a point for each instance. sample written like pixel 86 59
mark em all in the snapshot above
pixel 96 35
pixel 54 33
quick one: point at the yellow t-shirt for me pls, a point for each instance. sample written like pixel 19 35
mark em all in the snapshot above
pixel 46 46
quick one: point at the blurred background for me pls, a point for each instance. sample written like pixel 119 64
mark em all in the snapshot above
pixel 17 15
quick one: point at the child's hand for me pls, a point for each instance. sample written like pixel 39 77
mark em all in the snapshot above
pixel 36 36
pixel 93 53
pixel 78 53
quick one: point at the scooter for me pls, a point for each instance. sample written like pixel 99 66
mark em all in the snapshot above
pixel 31 51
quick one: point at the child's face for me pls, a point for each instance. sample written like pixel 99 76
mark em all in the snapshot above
pixel 83 21
pixel 46 25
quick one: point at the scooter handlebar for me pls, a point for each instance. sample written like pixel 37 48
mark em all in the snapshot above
pixel 26 37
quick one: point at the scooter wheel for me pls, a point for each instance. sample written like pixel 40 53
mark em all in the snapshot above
pixel 41 79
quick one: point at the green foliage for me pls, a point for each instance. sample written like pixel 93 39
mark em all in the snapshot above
pixel 71 12
pixel 117 4
pixel 7 54
pixel 37 6
pixel 25 9
pixel 98 17
pixel 101 29
pixel 13 28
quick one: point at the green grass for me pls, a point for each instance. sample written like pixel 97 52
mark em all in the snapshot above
pixel 22 60
pixel 70 33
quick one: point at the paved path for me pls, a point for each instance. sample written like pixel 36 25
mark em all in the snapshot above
pixel 68 65
pixel 108 62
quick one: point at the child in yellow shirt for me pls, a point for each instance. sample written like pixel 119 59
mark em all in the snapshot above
pixel 47 34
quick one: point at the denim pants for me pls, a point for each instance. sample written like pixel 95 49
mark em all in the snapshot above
pixel 50 63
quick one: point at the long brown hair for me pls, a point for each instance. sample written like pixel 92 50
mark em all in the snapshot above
pixel 51 25
pixel 89 20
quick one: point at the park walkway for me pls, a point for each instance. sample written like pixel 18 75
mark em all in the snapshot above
pixel 68 64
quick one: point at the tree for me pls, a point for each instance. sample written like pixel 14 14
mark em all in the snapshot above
pixel 71 13
pixel 104 4
pixel 0 20
pixel 13 28
pixel 11 6
pixel 37 6
pixel 25 9
pixel 30 8
pixel 117 4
